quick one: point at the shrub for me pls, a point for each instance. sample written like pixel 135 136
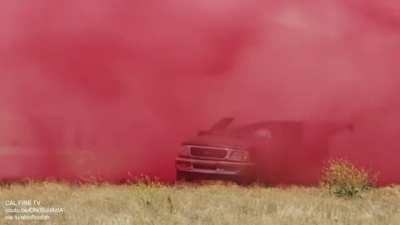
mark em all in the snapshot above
pixel 343 179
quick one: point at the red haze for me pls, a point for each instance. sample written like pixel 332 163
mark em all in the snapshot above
pixel 107 87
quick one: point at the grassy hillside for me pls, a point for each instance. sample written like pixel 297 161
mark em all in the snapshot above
pixel 206 204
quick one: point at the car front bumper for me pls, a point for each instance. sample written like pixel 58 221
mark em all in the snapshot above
pixel 214 167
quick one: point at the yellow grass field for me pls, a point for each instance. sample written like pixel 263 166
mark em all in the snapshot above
pixel 189 204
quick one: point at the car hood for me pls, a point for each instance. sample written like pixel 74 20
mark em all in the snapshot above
pixel 218 141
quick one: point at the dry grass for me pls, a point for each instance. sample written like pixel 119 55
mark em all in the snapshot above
pixel 206 204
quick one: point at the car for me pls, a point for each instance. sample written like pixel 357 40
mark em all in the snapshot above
pixel 253 152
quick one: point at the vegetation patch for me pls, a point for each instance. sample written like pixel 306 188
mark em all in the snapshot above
pixel 344 179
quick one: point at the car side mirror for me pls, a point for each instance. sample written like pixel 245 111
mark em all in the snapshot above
pixel 263 134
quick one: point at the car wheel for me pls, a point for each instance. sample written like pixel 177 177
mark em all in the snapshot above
pixel 246 180
pixel 182 176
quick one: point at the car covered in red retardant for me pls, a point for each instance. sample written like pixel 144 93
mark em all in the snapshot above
pixel 243 153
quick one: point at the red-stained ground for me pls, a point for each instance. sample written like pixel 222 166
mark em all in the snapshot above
pixel 111 88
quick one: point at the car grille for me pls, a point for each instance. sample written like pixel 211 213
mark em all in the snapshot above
pixel 208 152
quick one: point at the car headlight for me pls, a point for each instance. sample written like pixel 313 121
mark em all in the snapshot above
pixel 239 156
pixel 185 151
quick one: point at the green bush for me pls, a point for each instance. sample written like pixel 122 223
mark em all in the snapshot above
pixel 343 179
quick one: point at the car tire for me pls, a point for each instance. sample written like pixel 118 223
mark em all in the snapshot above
pixel 183 176
pixel 246 180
